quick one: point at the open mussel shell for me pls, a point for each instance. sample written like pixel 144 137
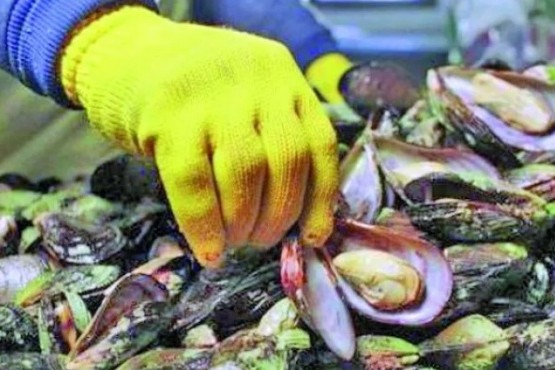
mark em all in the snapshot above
pixel 461 221
pixel 360 180
pixel 435 186
pixel 403 164
pixel 133 332
pixel 369 86
pixel 423 256
pixel 309 280
pixel 487 132
pixel 128 293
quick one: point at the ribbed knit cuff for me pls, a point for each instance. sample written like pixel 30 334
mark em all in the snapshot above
pixel 37 31
pixel 313 48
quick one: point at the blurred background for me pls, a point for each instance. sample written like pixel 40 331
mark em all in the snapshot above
pixel 420 34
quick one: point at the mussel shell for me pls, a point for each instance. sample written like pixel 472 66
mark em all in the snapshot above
pixel 371 85
pixel 78 279
pixel 248 304
pixel 453 222
pixel 9 236
pixel 426 258
pixel 134 331
pixel 18 330
pixel 18 182
pixel 483 272
pixel 31 361
pixel 488 128
pixel 536 178
pixel 398 160
pixel 128 293
pixel 169 359
pixel 532 346
pixel 360 180
pixel 77 242
pixel 16 272
pixel 127 178
pixel 309 280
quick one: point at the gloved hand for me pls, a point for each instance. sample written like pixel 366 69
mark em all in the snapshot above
pixel 242 144
pixel 289 22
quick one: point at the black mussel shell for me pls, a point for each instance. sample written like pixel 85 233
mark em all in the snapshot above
pixel 17 182
pixel 18 330
pixel 371 85
pixel 477 134
pixel 453 222
pixel 127 178
pixel 436 186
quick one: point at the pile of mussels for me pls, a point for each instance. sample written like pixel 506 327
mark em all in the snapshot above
pixel 443 255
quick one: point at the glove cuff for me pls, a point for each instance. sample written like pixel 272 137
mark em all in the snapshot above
pixel 325 73
pixel 36 33
pixel 312 48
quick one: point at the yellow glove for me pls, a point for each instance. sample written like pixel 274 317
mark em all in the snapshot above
pixel 325 73
pixel 242 145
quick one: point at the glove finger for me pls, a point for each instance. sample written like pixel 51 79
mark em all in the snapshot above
pixel 239 166
pixel 288 158
pixel 317 218
pixel 187 177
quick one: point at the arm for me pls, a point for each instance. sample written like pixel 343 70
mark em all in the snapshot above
pixel 32 32
pixel 243 147
pixel 290 23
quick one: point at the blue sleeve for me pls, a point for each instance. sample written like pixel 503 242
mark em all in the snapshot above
pixel 33 32
pixel 5 6
pixel 287 21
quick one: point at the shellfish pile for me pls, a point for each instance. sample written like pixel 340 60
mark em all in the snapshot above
pixel 443 254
